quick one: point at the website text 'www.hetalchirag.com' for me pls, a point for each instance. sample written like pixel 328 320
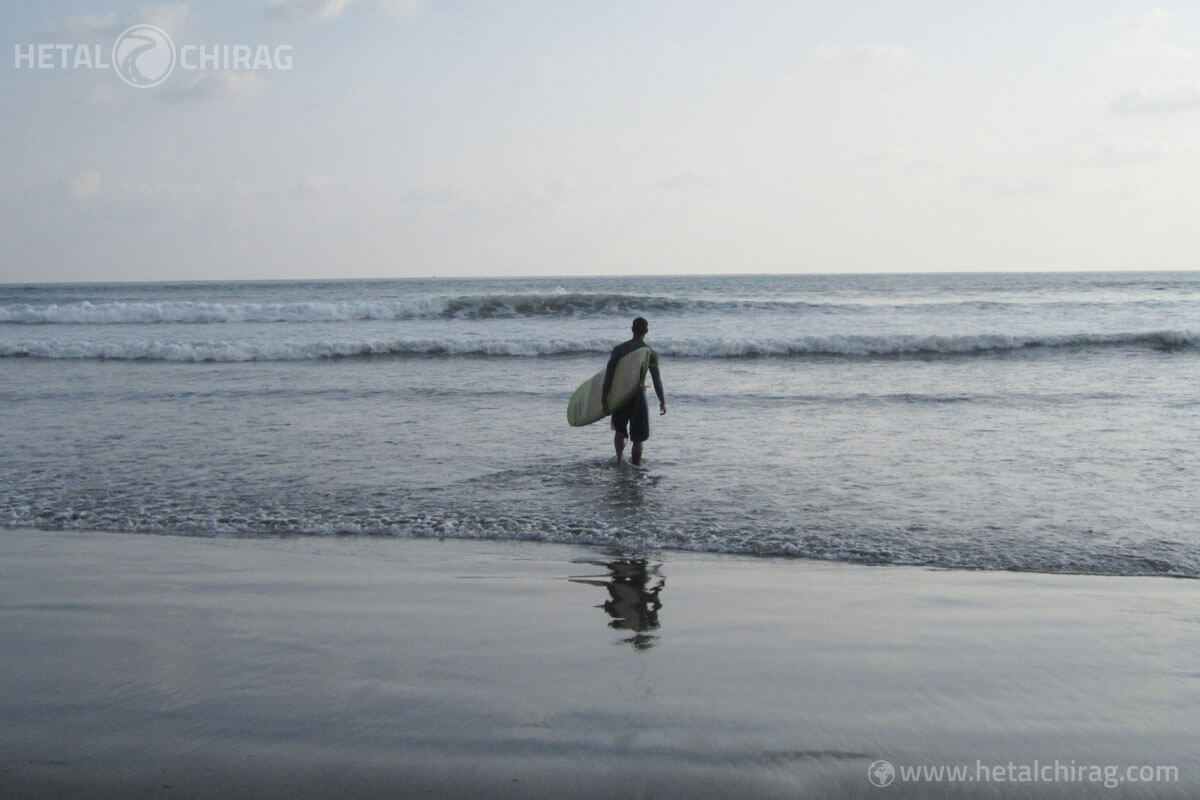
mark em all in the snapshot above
pixel 884 773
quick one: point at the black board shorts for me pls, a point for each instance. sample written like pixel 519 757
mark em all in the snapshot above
pixel 632 420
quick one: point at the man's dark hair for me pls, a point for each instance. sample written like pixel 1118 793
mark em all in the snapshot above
pixel 640 326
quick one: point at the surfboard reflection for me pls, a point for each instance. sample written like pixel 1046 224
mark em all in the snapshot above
pixel 634 586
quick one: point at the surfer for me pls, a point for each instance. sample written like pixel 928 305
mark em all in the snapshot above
pixel 632 420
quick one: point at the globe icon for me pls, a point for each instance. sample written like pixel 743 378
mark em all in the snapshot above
pixel 881 773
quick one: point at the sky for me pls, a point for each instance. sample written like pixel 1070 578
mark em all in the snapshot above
pixel 397 138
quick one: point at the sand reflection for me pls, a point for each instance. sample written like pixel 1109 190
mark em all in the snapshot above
pixel 634 587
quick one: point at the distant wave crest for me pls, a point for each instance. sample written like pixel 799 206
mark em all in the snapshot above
pixel 485 306
pixel 559 304
pixel 893 346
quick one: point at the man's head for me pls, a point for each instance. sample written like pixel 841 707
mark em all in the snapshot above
pixel 640 326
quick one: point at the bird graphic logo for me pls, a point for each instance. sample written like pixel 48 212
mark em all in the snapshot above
pixel 143 56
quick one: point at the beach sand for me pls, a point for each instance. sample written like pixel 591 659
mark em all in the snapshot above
pixel 166 666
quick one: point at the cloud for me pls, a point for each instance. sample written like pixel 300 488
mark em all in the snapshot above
pixel 1143 37
pixel 901 157
pixel 252 190
pixel 225 85
pixel 863 55
pixel 174 18
pixel 1121 154
pixel 435 195
pixel 1162 97
pixel 1008 186
pixel 175 196
pixel 312 184
pixel 401 9
pixel 86 185
pixel 690 181
pixel 305 10
pixel 103 95
pixel 85 28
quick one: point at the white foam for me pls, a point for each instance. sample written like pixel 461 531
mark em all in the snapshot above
pixel 557 303
pixel 714 347
pixel 912 345
pixel 119 313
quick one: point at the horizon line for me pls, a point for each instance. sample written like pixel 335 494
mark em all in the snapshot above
pixel 563 276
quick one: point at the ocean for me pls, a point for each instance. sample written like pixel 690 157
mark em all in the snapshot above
pixel 1040 422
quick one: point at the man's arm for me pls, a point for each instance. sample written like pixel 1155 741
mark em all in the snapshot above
pixel 658 387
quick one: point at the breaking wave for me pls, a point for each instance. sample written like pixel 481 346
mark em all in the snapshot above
pixel 466 307
pixel 864 346
pixel 487 306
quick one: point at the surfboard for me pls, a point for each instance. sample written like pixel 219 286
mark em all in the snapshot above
pixel 630 373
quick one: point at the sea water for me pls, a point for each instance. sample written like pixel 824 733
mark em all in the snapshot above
pixel 1044 422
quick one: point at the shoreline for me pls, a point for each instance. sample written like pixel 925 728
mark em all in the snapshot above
pixel 361 667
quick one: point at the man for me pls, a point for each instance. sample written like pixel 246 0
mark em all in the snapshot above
pixel 632 420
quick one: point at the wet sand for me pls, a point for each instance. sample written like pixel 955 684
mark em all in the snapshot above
pixel 164 666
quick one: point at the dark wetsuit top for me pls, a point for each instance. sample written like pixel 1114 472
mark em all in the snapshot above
pixel 633 413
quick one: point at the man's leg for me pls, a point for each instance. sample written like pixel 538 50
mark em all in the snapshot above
pixel 619 446
pixel 639 426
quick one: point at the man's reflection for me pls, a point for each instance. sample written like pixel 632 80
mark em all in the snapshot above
pixel 633 586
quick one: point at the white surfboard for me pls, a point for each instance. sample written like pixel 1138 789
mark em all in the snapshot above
pixel 628 377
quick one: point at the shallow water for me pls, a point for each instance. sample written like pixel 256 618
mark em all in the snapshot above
pixel 1039 422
